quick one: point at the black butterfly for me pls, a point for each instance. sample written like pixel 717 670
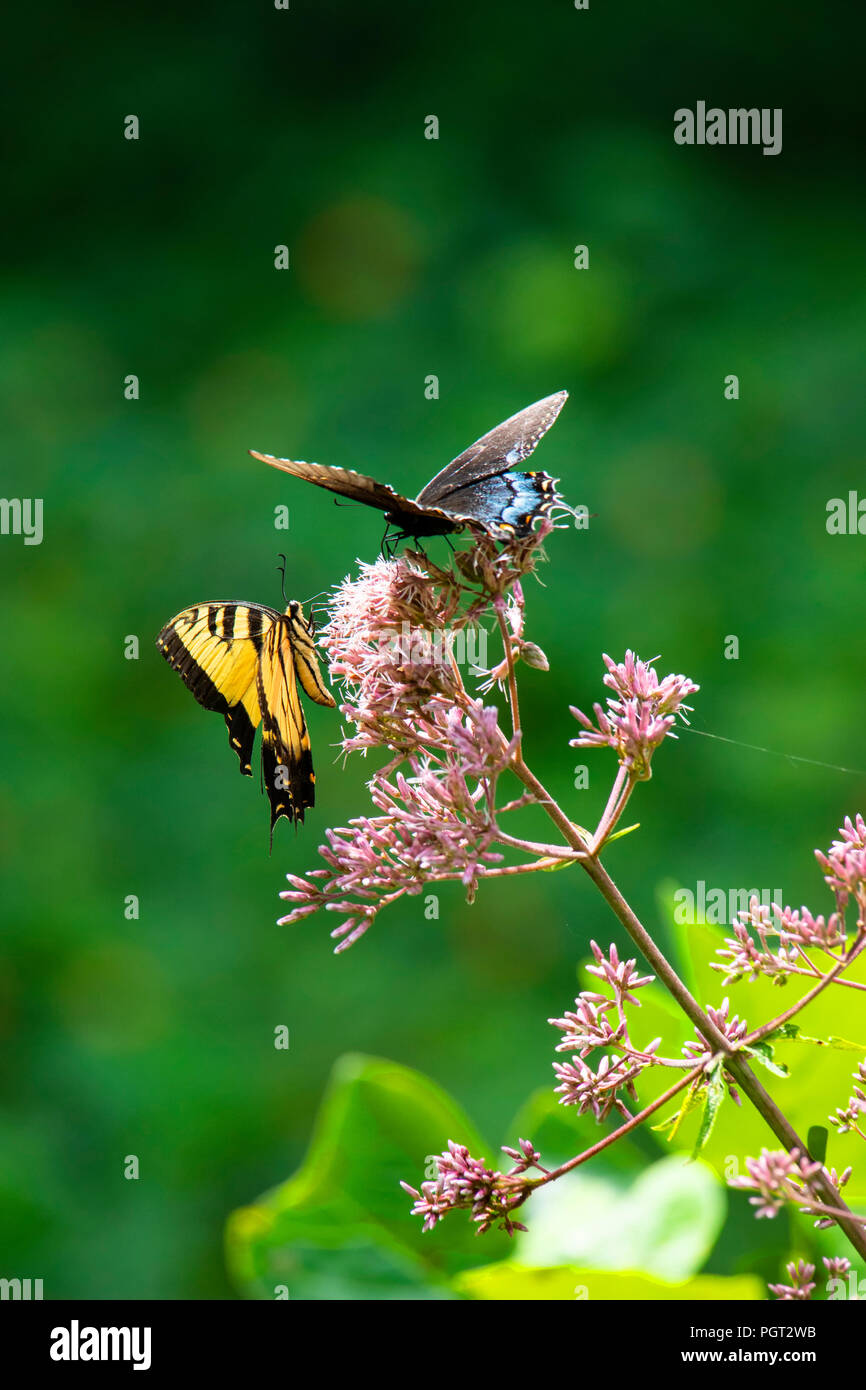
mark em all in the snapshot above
pixel 483 487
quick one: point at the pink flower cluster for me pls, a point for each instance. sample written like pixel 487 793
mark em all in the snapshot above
pixel 436 823
pixel 752 951
pixel 795 929
pixel 436 798
pixel 733 1029
pixel 465 1182
pixel 639 718
pixel 849 1119
pixel 802 1285
pixel 390 680
pixel 844 867
pixel 588 1027
pixel 779 1177
pixel 802 1277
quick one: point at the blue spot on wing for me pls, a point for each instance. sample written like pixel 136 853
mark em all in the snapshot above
pixel 511 500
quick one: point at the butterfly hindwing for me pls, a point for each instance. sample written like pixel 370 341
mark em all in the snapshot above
pixel 507 504
pixel 287 763
pixel 482 487
pixel 241 659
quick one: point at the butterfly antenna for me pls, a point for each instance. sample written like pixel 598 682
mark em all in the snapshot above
pixel 281 570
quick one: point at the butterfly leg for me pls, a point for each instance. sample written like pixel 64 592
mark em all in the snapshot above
pixel 389 544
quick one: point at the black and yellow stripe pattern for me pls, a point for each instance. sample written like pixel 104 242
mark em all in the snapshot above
pixel 246 661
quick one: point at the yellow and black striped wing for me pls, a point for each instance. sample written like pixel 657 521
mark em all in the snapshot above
pixel 214 647
pixel 306 657
pixel 288 655
pixel 244 660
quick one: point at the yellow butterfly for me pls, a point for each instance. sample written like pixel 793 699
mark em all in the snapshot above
pixel 246 660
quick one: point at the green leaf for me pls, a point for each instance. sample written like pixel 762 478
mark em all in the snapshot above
pixel 816 1142
pixel 559 864
pixel 681 934
pixel 763 1053
pixel 691 1102
pixel 511 1281
pixel 618 834
pixel 664 1223
pixel 714 1092
pixel 791 1033
pixel 378 1123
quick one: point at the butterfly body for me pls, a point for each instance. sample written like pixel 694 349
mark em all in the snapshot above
pixel 484 487
pixel 246 661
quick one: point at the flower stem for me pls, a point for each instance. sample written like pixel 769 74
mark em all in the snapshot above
pixel 623 1129
pixel 512 681
pixel 616 804
pixel 558 852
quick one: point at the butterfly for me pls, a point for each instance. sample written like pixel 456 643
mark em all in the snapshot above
pixel 246 661
pixel 484 486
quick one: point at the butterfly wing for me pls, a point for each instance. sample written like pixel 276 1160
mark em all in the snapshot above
pixel 287 763
pixel 412 518
pixel 344 481
pixel 214 647
pixel 305 657
pixel 245 661
pixel 508 504
pixel 497 456
pixel 457 495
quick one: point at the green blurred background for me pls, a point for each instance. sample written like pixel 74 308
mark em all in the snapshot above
pixel 409 257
